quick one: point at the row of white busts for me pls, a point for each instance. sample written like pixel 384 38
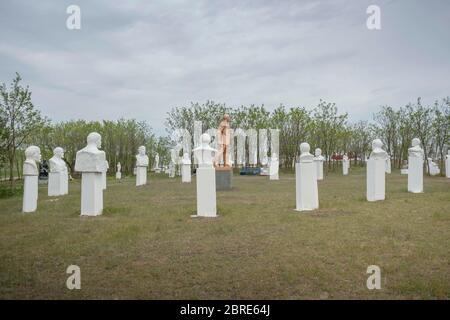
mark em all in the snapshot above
pixel 376 169
pixel 58 179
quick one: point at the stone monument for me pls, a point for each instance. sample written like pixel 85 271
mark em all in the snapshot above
pixel 318 160
pixel 447 164
pixel 119 171
pixel 141 167
pixel 30 177
pixel 345 164
pixel 415 167
pixel 58 177
pixel 274 165
pixel 306 191
pixel 387 166
pixel 206 178
pixel 376 172
pixel 91 162
pixel 186 168
pixel 106 167
pixel 224 174
pixel 157 169
pixel 433 167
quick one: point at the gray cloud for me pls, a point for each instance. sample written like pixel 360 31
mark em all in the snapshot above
pixel 140 59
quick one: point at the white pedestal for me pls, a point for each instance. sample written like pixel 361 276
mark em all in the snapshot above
pixel 56 184
pixel 91 193
pixel 141 176
pixel 30 193
pixel 65 183
pixel 104 180
pixel 415 174
pixel 375 179
pixel 388 166
pixel 186 173
pixel 306 191
pixel 345 168
pixel 447 167
pixel 319 167
pixel 274 176
pixel 206 192
pixel 118 175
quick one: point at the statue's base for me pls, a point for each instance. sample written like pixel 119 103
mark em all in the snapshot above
pixel 224 178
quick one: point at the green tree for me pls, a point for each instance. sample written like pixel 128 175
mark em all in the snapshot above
pixel 20 118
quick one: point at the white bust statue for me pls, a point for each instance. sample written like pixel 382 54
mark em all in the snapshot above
pixel 377 151
pixel 141 157
pixel 318 154
pixel 415 150
pixel 32 157
pixel 204 153
pixel 90 158
pixel 56 162
pixel 305 156
pixel 186 159
pixel 119 167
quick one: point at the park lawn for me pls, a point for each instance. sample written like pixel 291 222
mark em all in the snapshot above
pixel 146 245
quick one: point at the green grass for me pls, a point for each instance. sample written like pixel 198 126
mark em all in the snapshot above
pixel 145 245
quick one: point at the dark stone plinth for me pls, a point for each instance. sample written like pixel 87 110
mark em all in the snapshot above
pixel 224 178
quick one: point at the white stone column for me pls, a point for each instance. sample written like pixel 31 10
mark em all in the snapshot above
pixel 55 184
pixel 206 192
pixel 415 167
pixel 186 173
pixel 91 193
pixel 447 165
pixel 375 178
pixel 30 193
pixel 307 194
pixel 141 176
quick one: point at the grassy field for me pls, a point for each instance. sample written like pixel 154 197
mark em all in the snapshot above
pixel 145 245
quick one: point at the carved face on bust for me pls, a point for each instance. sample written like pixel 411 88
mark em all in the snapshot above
pixel 205 139
pixel 226 117
pixel 318 152
pixel 377 144
pixel 304 147
pixel 142 150
pixel 33 153
pixel 95 138
pixel 58 152
pixel 415 142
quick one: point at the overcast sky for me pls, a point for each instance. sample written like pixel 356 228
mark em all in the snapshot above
pixel 138 59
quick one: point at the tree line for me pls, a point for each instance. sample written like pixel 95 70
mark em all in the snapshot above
pixel 323 126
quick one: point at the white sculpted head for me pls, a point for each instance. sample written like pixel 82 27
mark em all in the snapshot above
pixel 58 152
pixel 304 147
pixel 377 144
pixel 142 150
pixel 318 152
pixel 94 138
pixel 377 151
pixel 33 153
pixel 415 142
